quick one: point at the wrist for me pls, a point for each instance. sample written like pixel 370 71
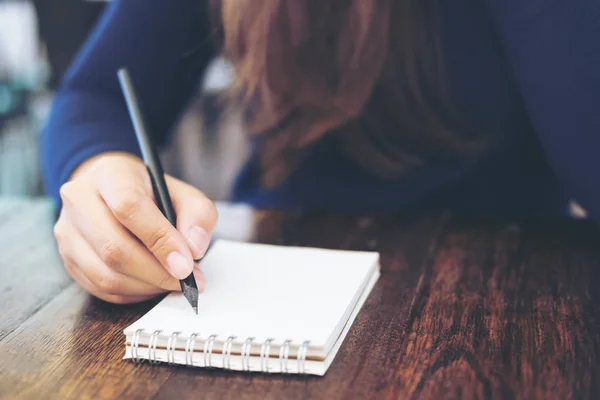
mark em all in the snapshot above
pixel 90 162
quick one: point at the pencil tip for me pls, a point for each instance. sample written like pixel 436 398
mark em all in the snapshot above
pixel 191 294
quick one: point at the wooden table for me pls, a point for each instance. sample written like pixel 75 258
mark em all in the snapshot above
pixel 464 309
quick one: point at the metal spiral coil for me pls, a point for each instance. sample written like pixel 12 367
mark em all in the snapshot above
pixel 152 347
pixel 208 349
pixel 246 354
pixel 265 349
pixel 171 347
pixel 189 350
pixel 209 345
pixel 135 344
pixel 227 352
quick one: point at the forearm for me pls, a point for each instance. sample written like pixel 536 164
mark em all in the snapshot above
pixel 89 116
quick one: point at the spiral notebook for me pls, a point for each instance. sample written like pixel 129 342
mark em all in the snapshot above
pixel 265 308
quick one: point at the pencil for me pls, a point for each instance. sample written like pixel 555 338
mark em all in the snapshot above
pixel 156 172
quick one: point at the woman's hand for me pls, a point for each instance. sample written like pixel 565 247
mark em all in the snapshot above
pixel 113 238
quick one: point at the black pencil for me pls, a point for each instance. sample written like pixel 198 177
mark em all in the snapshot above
pixel 157 176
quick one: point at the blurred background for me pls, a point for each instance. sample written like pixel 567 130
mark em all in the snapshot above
pixel 38 39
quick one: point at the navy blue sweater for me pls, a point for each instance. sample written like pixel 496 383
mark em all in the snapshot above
pixel 528 70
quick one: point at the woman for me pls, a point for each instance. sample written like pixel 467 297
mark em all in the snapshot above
pixel 361 106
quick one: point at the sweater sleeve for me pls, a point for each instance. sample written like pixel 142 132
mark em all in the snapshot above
pixel 153 39
pixel 554 50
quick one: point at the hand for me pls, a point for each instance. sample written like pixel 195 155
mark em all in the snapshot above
pixel 114 240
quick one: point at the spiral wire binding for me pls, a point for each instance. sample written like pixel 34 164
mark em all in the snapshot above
pixel 227 352
pixel 284 352
pixel 171 347
pixel 135 342
pixel 152 347
pixel 209 344
pixel 246 354
pixel 302 357
pixel 189 349
pixel 208 349
pixel 265 349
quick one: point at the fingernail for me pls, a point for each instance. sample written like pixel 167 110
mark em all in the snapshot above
pixel 199 276
pixel 179 265
pixel 200 239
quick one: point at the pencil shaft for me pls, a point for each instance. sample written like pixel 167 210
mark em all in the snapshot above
pixel 149 153
pixel 156 172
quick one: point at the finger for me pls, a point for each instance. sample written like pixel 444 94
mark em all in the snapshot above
pixel 111 241
pixel 77 251
pixel 196 215
pixel 89 287
pixel 135 209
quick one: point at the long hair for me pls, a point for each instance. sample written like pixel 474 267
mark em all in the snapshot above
pixel 366 73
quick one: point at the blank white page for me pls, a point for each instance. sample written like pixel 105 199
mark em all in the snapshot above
pixel 267 291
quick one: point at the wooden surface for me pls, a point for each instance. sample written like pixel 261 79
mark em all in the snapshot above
pixel 463 309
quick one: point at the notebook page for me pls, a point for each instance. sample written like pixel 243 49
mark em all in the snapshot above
pixel 265 291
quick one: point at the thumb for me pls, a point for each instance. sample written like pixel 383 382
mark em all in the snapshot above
pixel 196 215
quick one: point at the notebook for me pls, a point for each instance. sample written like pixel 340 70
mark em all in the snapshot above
pixel 265 308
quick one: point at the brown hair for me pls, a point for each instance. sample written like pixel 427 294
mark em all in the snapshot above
pixel 362 72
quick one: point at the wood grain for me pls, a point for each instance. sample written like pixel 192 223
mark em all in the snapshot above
pixel 463 309
pixel 507 311
pixel 30 269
